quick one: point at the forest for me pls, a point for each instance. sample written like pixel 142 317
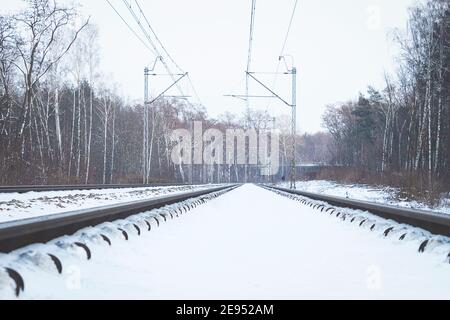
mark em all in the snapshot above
pixel 62 121
pixel 401 134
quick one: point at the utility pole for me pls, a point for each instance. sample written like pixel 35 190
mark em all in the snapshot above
pixel 292 105
pixel 294 127
pixel 274 127
pixel 147 144
pixel 145 133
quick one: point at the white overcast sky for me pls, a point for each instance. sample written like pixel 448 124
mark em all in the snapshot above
pixel 339 48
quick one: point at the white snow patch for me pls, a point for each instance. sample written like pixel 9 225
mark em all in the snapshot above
pixel 247 244
pixel 15 206
pixel 384 195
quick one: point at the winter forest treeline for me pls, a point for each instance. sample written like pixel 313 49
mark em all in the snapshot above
pixel 404 130
pixel 62 122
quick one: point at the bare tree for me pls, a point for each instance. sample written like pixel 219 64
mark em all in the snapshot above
pixel 40 25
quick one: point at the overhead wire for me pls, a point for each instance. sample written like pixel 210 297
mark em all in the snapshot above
pixel 156 36
pixel 294 10
pixel 290 27
pixel 130 28
pixel 195 90
pixel 138 21
pixel 141 11
pixel 151 45
pixel 250 47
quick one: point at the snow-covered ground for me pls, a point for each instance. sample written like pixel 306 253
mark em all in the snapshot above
pixel 384 195
pixel 15 206
pixel 247 244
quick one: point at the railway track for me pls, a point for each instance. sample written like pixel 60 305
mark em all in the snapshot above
pixel 431 231
pixel 24 189
pixel 106 225
pixel 19 234
pixel 438 224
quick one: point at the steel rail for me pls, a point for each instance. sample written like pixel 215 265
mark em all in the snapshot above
pixel 17 234
pixel 24 189
pixel 435 223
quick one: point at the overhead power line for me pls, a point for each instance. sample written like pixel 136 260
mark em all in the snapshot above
pixel 289 28
pixel 294 10
pixel 138 21
pixel 130 28
pixel 156 37
pixel 250 47
pixel 147 35
pixel 252 27
pixel 166 52
pixel 195 91
pixel 152 42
